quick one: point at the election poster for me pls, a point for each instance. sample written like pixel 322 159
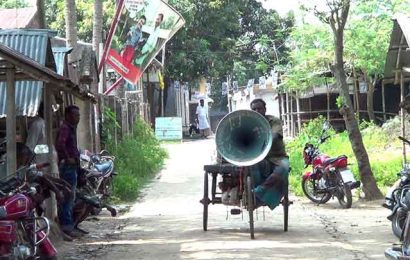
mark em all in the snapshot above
pixel 143 27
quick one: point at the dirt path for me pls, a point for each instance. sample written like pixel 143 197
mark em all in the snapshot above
pixel 167 224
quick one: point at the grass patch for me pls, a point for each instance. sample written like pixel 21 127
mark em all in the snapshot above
pixel 382 145
pixel 139 157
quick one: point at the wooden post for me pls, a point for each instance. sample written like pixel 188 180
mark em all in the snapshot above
pixel 51 204
pixel 298 113
pixel 11 121
pixel 356 92
pixel 287 114
pixel 282 106
pixel 328 102
pixel 115 128
pixel 292 121
pixel 403 125
pixel 384 102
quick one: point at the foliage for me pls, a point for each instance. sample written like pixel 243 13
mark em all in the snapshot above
pixel 383 149
pixel 110 125
pixel 310 56
pixel 85 11
pixel 221 38
pixel 10 4
pixel 138 157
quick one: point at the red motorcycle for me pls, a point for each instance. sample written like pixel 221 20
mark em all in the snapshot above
pixel 24 234
pixel 330 177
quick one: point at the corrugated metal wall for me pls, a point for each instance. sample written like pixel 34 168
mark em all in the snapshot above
pixel 32 43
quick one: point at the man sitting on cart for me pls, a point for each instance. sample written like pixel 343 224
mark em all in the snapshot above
pixel 271 174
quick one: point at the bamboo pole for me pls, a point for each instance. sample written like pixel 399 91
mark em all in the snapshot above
pixel 298 113
pixel 292 121
pixel 287 115
pixel 11 121
pixel 384 101
pixel 403 126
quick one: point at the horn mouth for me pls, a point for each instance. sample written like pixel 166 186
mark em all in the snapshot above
pixel 243 137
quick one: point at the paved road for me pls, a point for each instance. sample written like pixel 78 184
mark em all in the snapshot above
pixel 167 224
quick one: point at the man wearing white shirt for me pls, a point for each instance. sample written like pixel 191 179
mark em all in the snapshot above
pixel 202 116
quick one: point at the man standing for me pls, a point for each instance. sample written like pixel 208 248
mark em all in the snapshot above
pixel 202 116
pixel 133 38
pixel 68 163
pixel 151 42
pixel 36 131
pixel 271 174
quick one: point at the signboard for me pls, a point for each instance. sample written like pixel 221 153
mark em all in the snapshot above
pixel 168 128
pixel 143 28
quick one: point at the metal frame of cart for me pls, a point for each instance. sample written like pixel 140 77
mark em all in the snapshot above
pixel 246 195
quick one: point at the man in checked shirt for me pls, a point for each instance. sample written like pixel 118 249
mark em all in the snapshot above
pixel 68 164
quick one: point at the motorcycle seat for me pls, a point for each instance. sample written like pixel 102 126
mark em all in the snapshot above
pixel 332 160
pixel 104 167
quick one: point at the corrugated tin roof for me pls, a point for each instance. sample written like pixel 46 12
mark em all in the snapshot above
pixel 401 28
pixel 60 54
pixel 33 44
pixel 17 18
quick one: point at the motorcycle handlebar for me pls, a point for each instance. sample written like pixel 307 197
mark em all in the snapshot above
pixel 404 139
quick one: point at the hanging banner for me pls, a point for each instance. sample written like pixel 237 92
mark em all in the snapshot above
pixel 143 28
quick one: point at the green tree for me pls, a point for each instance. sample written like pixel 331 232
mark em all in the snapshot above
pixel 312 52
pixel 9 4
pixel 85 14
pixel 337 17
pixel 221 38
pixel 367 40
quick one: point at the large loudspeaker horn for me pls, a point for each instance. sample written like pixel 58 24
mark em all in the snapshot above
pixel 243 137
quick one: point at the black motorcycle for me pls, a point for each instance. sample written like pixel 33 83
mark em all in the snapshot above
pixel 397 201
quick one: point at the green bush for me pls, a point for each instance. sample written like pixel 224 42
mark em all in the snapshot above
pixel 381 144
pixel 139 156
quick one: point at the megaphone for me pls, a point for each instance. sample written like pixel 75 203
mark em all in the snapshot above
pixel 243 137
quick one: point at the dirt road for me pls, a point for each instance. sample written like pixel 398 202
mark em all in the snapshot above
pixel 167 224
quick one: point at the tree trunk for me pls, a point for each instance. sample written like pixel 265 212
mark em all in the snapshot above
pixel 97 25
pixel 370 188
pixel 370 106
pixel 71 29
pixel 41 13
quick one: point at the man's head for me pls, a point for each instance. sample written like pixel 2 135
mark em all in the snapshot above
pixel 24 155
pixel 141 21
pixel 201 102
pixel 258 105
pixel 72 114
pixel 159 19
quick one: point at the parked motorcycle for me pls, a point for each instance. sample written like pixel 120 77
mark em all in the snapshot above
pixel 402 250
pixel 24 234
pixel 100 171
pixel 94 186
pixel 330 177
pixel 397 198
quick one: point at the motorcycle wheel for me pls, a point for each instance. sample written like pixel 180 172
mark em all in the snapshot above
pixel 397 223
pixel 308 187
pixel 106 188
pixel 344 193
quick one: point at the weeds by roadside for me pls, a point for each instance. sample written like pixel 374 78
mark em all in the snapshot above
pixel 383 148
pixel 139 156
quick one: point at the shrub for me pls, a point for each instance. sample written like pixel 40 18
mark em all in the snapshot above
pixel 139 156
pixel 381 144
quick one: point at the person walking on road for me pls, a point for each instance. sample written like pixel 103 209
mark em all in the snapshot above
pixel 202 116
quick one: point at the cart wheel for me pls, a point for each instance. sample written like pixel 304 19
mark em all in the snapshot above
pixel 205 202
pixel 250 204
